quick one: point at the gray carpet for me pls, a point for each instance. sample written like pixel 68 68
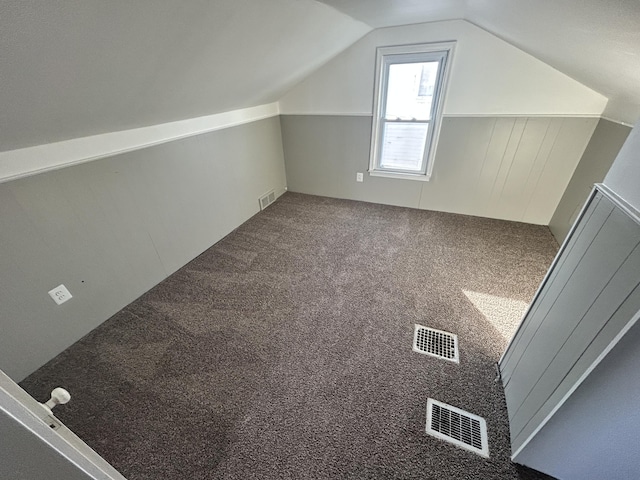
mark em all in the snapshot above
pixel 284 351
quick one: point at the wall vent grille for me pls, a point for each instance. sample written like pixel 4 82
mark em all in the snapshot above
pixel 267 199
pixel 458 427
pixel 436 343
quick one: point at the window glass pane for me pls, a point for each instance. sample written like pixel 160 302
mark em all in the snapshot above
pixel 410 90
pixel 403 146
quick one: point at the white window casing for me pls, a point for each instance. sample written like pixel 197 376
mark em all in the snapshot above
pixel 415 137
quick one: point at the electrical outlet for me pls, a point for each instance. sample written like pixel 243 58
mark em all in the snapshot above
pixel 60 294
pixel 359 177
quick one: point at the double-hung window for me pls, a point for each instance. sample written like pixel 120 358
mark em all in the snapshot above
pixel 410 87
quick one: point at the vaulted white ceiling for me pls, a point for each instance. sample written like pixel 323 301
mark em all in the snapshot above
pixel 596 42
pixel 390 13
pixel 73 68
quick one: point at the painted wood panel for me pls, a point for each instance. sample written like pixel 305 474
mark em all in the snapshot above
pixel 594 435
pixel 574 319
pixel 590 295
pixel 525 164
pixel 605 336
pixel 605 143
pixel 512 168
pixel 560 276
pixel 525 329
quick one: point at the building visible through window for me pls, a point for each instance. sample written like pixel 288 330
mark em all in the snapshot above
pixel 409 92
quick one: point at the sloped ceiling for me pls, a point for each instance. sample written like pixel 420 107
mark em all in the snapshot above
pixel 391 13
pixel 72 68
pixel 596 42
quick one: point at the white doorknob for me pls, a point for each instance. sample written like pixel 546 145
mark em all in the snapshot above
pixel 59 396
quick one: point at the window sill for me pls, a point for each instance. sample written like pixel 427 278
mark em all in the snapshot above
pixel 421 177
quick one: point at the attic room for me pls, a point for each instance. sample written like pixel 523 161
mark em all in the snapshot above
pixel 319 239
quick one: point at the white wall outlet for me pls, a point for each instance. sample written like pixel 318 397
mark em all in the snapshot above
pixel 359 177
pixel 60 294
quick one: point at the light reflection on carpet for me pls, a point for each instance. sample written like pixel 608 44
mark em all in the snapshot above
pixel 503 313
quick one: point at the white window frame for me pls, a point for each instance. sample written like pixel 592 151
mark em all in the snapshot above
pixel 387 56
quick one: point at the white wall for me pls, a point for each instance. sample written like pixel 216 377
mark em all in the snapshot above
pixel 512 162
pixel 594 435
pixel 605 143
pixel 27 161
pixel 113 228
pixel 488 77
pixel 594 432
pixel 624 175
pixel 507 168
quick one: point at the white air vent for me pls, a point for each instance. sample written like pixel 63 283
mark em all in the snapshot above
pixel 458 427
pixel 436 343
pixel 267 199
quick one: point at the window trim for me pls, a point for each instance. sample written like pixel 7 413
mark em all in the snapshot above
pixel 409 54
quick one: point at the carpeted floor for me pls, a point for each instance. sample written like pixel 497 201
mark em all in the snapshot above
pixel 284 351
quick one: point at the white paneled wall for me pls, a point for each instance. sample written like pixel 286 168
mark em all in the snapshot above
pixel 514 168
pixel 589 300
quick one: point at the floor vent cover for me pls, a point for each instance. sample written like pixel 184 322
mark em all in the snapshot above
pixel 267 199
pixel 436 343
pixel 458 427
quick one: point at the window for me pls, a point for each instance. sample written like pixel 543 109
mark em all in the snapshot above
pixel 410 84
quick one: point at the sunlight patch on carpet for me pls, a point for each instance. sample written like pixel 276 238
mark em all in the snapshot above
pixel 503 313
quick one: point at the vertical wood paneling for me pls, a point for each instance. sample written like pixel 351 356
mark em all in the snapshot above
pixel 572 299
pixel 569 145
pixel 518 343
pixel 513 168
pixel 525 163
pixel 541 404
pixel 605 143
pixel 461 149
pixel 506 163
pixel 587 299
pixel 532 185
pixel 495 154
pixel 562 273
pixel 513 197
